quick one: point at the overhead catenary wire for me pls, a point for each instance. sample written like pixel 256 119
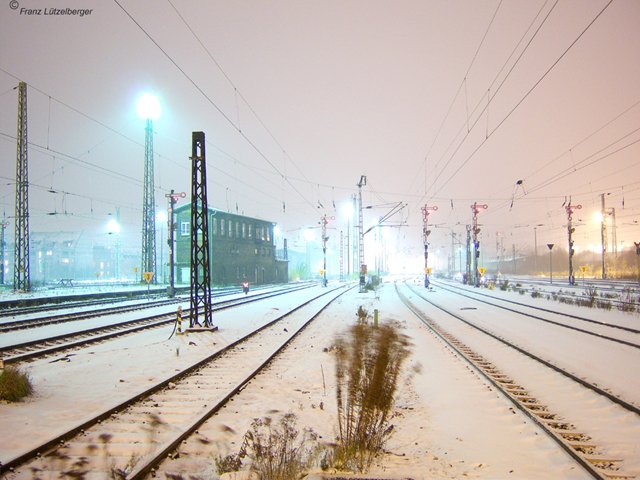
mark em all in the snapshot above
pixel 523 98
pixel 240 132
pixel 238 93
pixel 489 98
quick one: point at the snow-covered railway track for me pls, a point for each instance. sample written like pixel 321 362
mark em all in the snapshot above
pixel 45 318
pixel 11 326
pixel 589 451
pixel 129 440
pixel 598 328
pixel 35 349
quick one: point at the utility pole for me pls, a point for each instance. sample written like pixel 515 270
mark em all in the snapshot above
pixel 475 209
pixel 200 265
pixel 149 208
pixel 425 239
pixel 21 276
pixel 3 246
pixel 570 231
pixel 172 198
pixel 363 266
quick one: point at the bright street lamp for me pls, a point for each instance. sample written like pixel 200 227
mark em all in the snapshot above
pixel 148 107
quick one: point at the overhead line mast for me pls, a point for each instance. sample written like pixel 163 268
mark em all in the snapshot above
pixel 21 277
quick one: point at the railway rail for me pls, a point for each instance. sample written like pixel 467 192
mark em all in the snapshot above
pixel 623 295
pixel 499 302
pixel 113 442
pixel 56 344
pixel 579 445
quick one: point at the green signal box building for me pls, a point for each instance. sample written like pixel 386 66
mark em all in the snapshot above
pixel 240 248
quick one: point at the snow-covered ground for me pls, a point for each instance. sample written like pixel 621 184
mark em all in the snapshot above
pixel 450 423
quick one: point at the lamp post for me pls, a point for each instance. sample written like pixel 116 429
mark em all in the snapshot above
pixel 535 247
pixel 550 246
pixel 162 217
pixel 4 225
pixel 348 212
pixel 113 228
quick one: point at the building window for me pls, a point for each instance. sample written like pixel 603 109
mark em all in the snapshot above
pixel 251 230
pixel 244 230
pixel 237 229
pixel 222 227
pixel 214 223
pixel 230 229
pixel 185 229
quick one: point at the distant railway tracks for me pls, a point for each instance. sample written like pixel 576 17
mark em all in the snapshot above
pixel 585 448
pixel 55 344
pixel 130 439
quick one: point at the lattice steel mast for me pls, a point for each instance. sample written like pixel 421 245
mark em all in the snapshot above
pixel 21 279
pixel 200 265
pixel 148 208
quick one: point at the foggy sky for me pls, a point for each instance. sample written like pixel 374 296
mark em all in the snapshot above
pixel 441 103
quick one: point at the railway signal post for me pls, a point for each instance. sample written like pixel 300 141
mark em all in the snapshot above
pixel 475 209
pixel 426 210
pixel 172 197
pixel 570 231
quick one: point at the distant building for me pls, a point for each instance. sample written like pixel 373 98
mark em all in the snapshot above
pixel 240 247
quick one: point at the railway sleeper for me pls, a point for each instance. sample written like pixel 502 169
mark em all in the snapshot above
pixel 559 424
pixel 571 435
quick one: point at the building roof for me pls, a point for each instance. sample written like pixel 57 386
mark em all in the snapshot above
pixel 186 206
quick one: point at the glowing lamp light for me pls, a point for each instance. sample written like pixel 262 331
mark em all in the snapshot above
pixel 148 107
pixel 161 216
pixel 309 235
pixel 113 227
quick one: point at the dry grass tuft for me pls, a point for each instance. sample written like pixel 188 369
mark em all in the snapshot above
pixel 15 385
pixel 368 364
